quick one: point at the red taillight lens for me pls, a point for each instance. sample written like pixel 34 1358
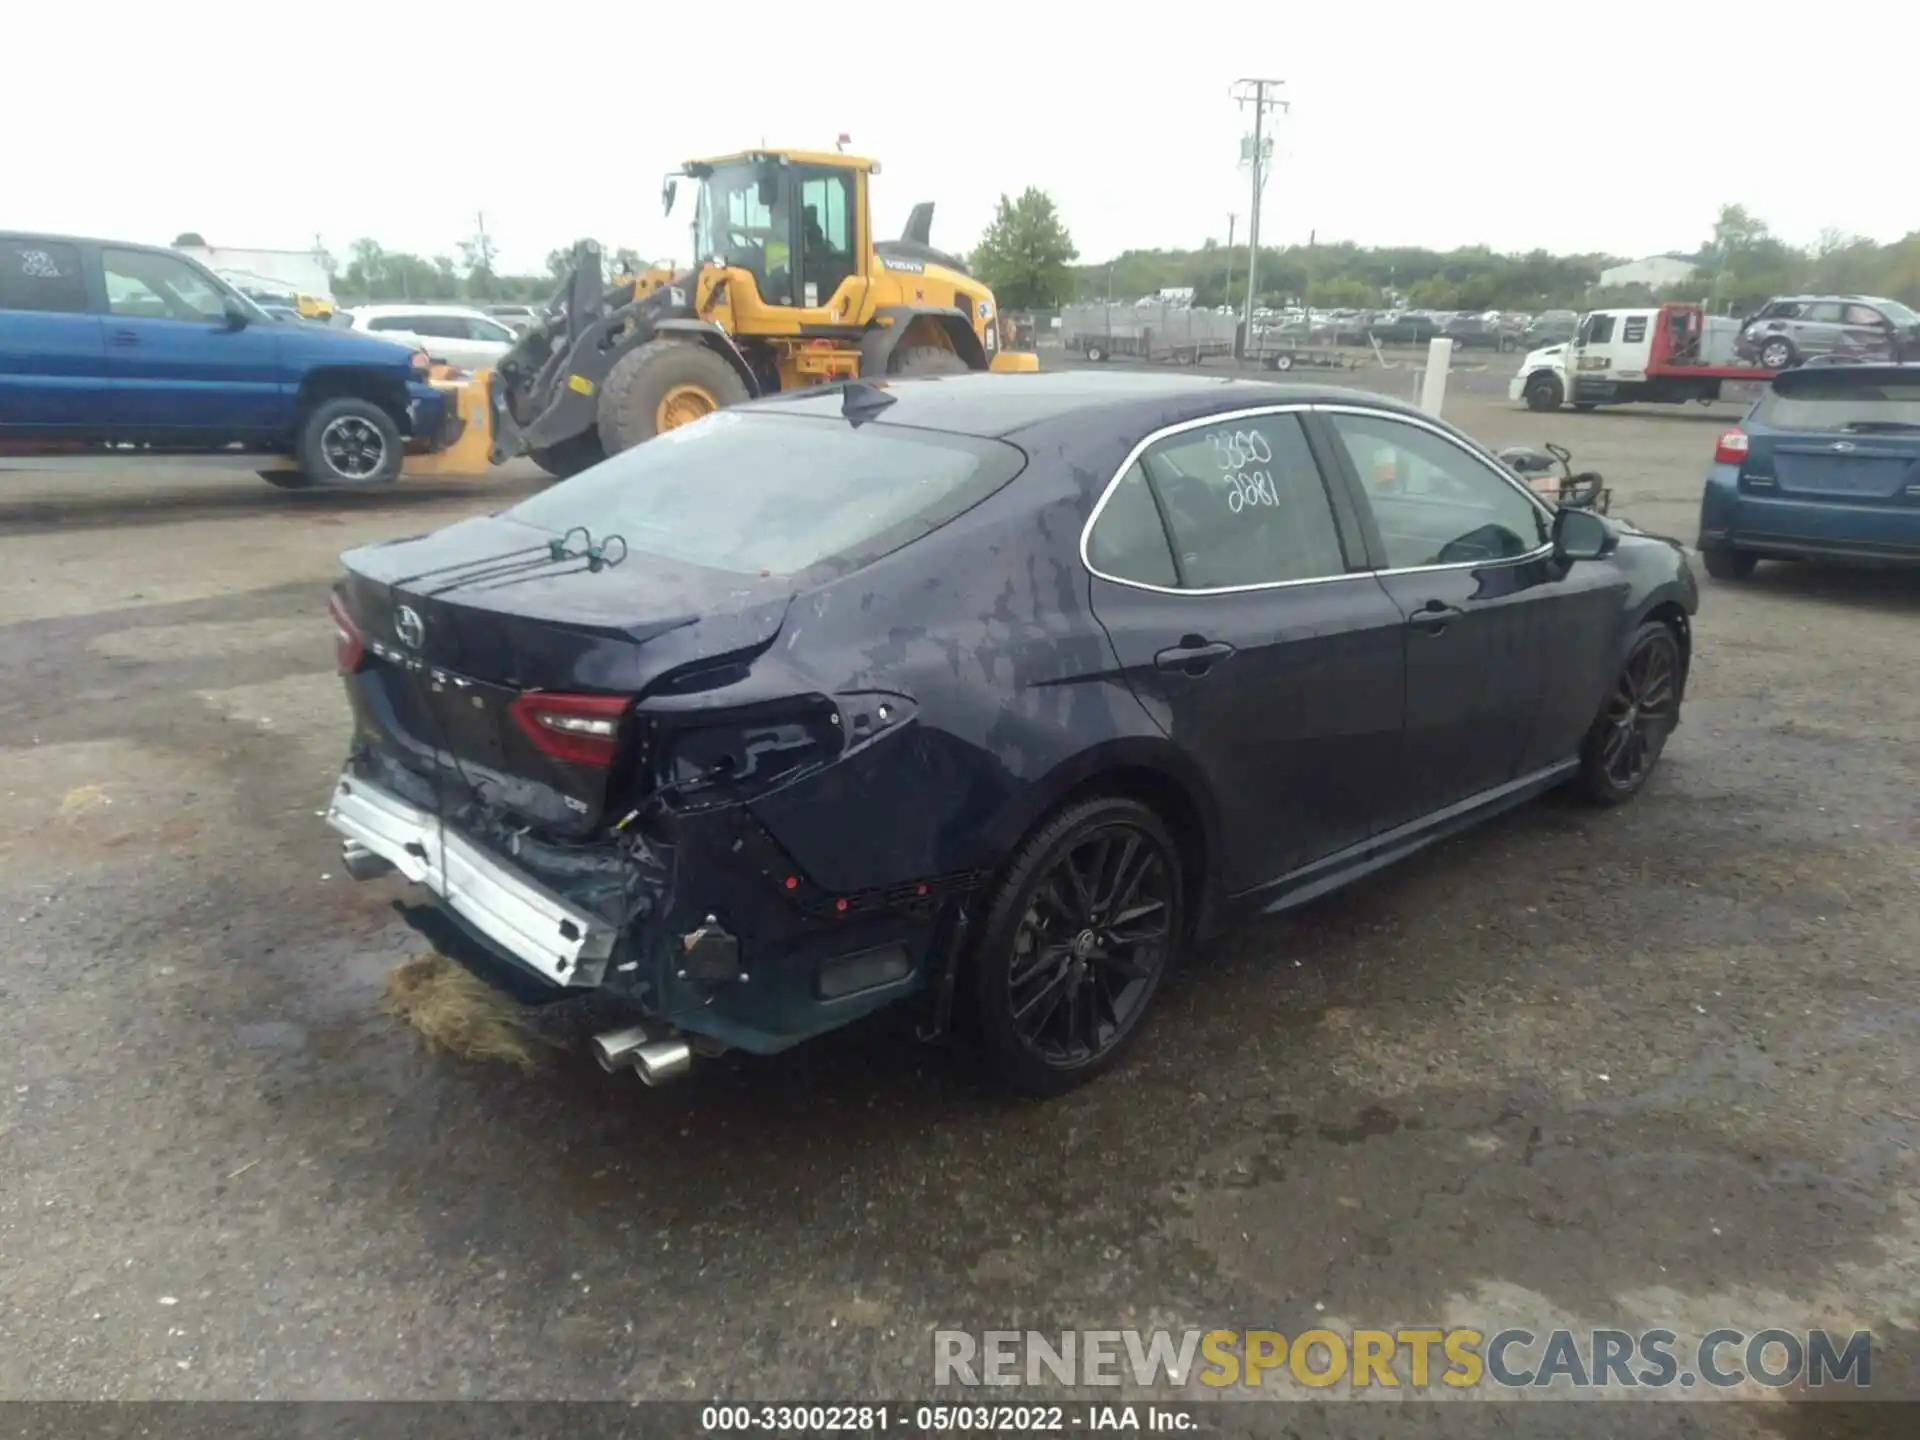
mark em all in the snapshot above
pixel 580 729
pixel 1732 449
pixel 349 647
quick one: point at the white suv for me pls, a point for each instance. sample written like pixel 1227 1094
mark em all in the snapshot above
pixel 449 333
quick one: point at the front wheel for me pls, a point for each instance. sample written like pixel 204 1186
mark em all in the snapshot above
pixel 1083 927
pixel 925 360
pixel 1543 392
pixel 662 385
pixel 1776 354
pixel 1638 714
pixel 349 441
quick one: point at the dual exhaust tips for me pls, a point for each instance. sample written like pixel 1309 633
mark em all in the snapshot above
pixel 654 1061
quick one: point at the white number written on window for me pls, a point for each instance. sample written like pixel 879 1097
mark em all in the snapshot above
pixel 39 265
pixel 1241 448
pixel 1250 487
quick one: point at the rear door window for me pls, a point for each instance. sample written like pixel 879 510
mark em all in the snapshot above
pixel 1863 315
pixel 1245 504
pixel 41 275
pixel 777 494
pixel 1823 312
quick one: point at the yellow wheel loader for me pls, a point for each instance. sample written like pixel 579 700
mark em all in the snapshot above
pixel 789 288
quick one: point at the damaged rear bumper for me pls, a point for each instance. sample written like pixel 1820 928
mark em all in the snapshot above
pixel 562 942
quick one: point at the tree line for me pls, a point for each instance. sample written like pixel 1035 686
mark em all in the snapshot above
pixel 1028 256
pixel 374 273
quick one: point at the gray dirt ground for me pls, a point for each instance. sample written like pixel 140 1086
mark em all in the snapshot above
pixel 1656 1066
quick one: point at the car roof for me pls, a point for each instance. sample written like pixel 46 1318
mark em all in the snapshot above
pixel 1824 377
pixel 995 405
pixel 463 310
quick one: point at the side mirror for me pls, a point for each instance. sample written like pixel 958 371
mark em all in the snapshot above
pixel 236 315
pixel 1582 535
pixel 668 189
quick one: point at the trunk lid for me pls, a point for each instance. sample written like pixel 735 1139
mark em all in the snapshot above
pixel 462 623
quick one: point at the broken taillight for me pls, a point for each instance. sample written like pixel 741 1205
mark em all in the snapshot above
pixel 1732 449
pixel 579 729
pixel 349 646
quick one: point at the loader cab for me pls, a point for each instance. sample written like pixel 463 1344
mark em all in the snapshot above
pixel 789 230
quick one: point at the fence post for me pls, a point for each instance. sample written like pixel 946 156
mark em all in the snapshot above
pixel 1433 387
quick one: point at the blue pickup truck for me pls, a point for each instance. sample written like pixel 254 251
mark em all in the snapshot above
pixel 106 342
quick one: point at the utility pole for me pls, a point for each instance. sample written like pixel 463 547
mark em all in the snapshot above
pixel 1254 93
pixel 482 246
pixel 1231 220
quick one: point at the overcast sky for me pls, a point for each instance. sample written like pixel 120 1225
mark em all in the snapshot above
pixel 1481 121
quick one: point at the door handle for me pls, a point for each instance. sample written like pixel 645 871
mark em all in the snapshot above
pixel 1433 617
pixel 123 337
pixel 1193 654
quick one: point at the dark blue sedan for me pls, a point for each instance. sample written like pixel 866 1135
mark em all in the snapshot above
pixel 992 693
pixel 1826 466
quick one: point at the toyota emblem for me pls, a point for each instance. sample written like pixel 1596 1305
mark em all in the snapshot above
pixel 408 625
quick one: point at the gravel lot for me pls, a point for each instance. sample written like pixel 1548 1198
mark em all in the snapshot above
pixel 1651 1067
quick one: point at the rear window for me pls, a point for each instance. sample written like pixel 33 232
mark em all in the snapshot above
pixel 1830 402
pixel 41 275
pixel 769 494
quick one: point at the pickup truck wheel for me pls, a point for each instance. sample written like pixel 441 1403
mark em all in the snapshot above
pixel 1543 392
pixel 349 441
pixel 1083 926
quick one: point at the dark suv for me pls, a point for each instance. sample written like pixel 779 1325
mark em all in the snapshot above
pixel 107 342
pixel 1791 329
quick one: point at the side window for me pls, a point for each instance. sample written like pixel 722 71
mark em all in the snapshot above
pixel 143 284
pixel 1599 329
pixel 1635 330
pixel 478 329
pixel 392 322
pixel 41 275
pixel 1824 312
pixel 826 210
pixel 1245 504
pixel 1128 541
pixel 1864 315
pixel 1434 502
pixel 1781 310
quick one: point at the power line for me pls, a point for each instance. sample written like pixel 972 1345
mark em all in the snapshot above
pixel 1254 93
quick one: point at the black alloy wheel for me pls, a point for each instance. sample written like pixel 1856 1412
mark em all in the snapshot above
pixel 1639 713
pixel 1082 930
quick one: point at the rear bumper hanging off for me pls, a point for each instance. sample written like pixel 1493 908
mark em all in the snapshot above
pixel 562 942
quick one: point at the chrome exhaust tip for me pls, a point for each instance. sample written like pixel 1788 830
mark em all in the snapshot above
pixel 361 863
pixel 614 1049
pixel 662 1061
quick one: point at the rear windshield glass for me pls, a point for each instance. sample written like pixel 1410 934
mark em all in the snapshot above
pixel 760 493
pixel 1831 403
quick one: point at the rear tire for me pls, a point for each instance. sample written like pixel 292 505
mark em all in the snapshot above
pixel 570 457
pixel 349 441
pixel 1726 563
pixel 1037 952
pixel 1543 392
pixel 925 360
pixel 662 385
pixel 1096 353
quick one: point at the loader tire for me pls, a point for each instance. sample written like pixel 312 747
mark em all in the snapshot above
pixel 569 457
pixel 925 360
pixel 662 385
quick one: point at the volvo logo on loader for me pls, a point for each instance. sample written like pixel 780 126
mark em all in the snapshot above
pixel 408 625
